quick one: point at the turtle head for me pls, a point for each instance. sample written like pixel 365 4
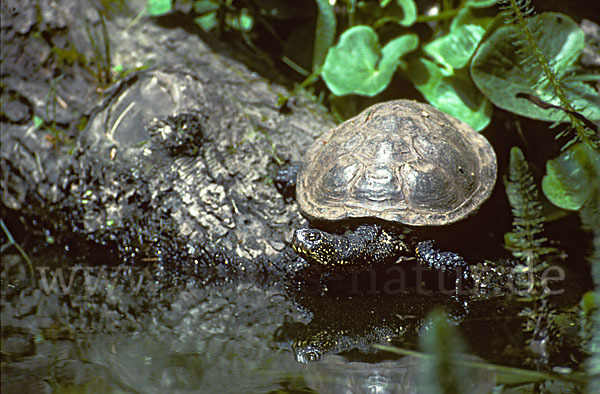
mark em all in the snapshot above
pixel 316 246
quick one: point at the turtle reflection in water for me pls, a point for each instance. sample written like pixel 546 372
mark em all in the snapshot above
pixel 397 164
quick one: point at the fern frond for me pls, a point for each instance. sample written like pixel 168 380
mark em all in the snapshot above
pixel 518 13
pixel 526 242
pixel 528 219
pixel 527 245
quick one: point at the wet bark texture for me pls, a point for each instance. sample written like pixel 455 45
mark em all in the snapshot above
pixel 176 161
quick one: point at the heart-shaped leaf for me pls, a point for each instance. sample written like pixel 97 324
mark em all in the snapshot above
pixel 572 179
pixel 501 71
pixel 357 65
pixel 453 93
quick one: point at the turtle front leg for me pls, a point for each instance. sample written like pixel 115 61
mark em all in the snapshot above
pixel 447 262
pixel 378 245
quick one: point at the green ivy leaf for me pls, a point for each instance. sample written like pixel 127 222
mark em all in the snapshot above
pixel 325 32
pixel 402 12
pixel 246 20
pixel 205 6
pixel 356 65
pixel 409 10
pixel 501 71
pixel 242 21
pixel 158 7
pixel 555 190
pixel 453 93
pixel 469 17
pixel 573 179
pixel 445 83
pixel 454 50
pixel 207 22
